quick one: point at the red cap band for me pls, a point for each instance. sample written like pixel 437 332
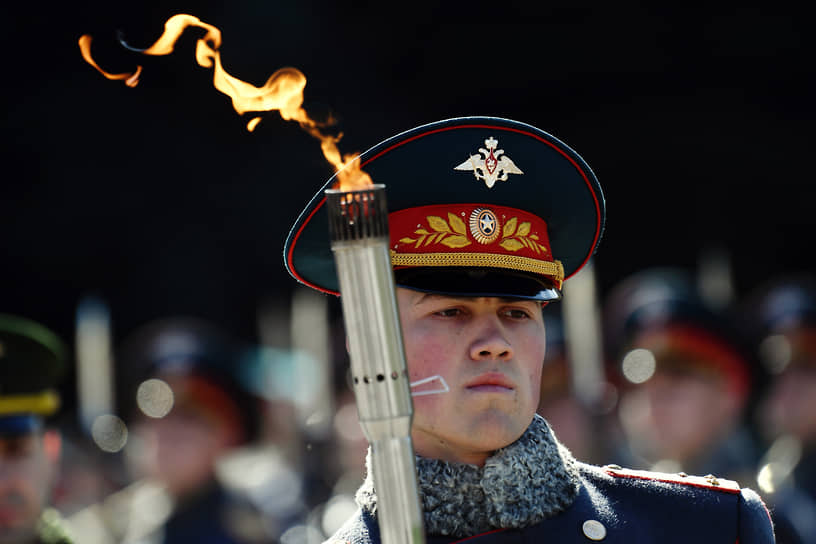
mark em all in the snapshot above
pixel 472 235
pixel 702 350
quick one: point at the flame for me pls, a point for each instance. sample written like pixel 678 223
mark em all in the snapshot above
pixel 282 92
pixel 131 79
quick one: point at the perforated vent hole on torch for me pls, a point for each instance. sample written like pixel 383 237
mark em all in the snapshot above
pixel 379 378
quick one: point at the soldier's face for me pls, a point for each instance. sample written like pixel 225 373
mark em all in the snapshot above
pixel 789 406
pixel 26 472
pixel 490 353
pixel 678 415
pixel 185 444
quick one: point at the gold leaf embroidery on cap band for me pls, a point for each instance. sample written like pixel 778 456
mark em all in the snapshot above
pixel 515 237
pixel 45 403
pixel 484 227
pixel 513 262
pixel 451 233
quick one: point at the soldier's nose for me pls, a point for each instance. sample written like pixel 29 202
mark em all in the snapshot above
pixel 491 344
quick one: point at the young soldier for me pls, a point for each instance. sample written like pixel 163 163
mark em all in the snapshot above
pixel 189 402
pixel 487 218
pixel 32 360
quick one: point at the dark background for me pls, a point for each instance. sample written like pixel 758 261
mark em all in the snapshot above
pixel 156 198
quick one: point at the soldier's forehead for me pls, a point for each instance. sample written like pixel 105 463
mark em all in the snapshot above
pixel 420 298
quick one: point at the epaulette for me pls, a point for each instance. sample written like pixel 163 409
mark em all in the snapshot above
pixel 706 482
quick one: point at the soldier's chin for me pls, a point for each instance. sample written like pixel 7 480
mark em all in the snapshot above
pixel 497 427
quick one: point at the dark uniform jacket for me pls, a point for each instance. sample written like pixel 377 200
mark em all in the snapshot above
pixel 627 507
pixel 534 491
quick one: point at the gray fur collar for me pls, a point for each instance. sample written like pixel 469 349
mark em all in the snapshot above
pixel 532 479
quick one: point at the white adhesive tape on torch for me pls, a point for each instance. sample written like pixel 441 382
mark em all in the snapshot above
pixel 442 388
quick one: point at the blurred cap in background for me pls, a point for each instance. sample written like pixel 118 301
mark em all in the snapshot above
pixel 189 363
pixel 32 364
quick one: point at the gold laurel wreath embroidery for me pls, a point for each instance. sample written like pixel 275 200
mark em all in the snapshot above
pixel 452 233
pixel 514 238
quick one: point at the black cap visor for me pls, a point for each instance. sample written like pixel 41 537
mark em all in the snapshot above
pixel 475 282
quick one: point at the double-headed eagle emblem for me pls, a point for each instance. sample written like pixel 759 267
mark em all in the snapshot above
pixel 494 166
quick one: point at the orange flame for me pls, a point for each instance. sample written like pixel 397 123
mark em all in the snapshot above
pixel 282 92
pixel 131 79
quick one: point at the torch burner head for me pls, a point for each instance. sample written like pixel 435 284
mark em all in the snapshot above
pixel 357 215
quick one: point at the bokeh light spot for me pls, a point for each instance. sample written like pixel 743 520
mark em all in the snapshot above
pixel 338 509
pixel 155 398
pixel 778 463
pixel 109 433
pixel 639 365
pixel 775 352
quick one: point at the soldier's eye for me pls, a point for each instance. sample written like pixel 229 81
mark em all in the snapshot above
pixel 515 313
pixel 449 312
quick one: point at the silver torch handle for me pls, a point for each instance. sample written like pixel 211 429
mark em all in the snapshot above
pixel 358 224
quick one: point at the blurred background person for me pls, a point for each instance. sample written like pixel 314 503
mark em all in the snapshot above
pixel 342 455
pixel 780 316
pixel 685 378
pixel 32 363
pixel 344 466
pixel 87 475
pixel 578 425
pixel 196 427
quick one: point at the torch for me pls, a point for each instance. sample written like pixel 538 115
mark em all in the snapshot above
pixel 358 227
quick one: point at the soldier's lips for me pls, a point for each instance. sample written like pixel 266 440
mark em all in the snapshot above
pixel 491 382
